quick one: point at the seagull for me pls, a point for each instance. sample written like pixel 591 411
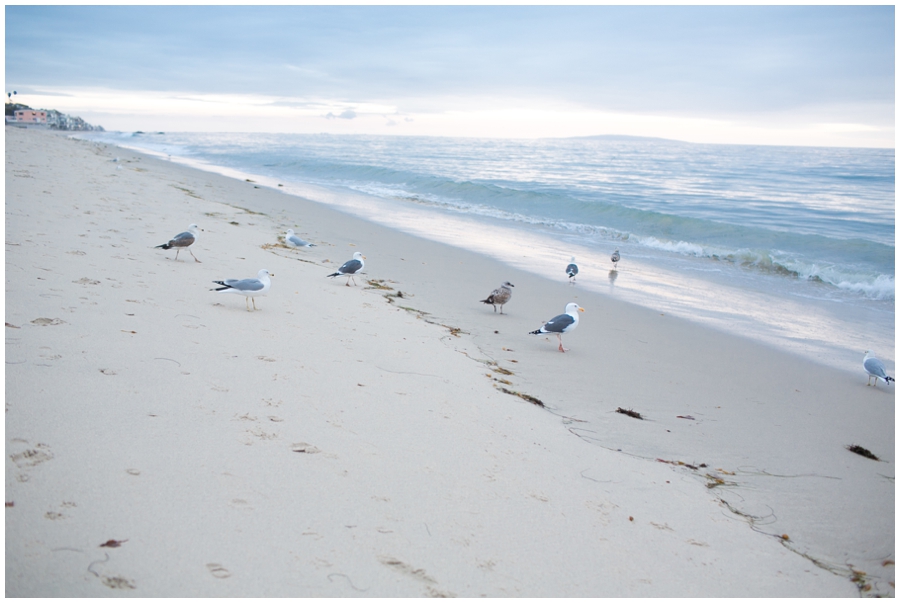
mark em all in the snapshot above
pixel 351 268
pixel 499 296
pixel 615 257
pixel 875 368
pixel 294 241
pixel 562 323
pixel 572 270
pixel 248 287
pixel 182 239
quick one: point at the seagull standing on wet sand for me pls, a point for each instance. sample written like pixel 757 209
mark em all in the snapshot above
pixel 499 296
pixel 875 368
pixel 294 241
pixel 182 240
pixel 248 287
pixel 563 323
pixel 350 268
pixel 572 270
pixel 615 257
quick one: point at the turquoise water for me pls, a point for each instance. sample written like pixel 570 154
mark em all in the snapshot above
pixel 792 245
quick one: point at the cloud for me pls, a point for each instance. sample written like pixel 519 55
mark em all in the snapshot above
pixel 453 70
pixel 348 114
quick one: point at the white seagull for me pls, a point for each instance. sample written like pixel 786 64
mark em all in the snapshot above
pixel 563 323
pixel 350 268
pixel 248 287
pixel 499 296
pixel 875 368
pixel 572 270
pixel 294 241
pixel 182 240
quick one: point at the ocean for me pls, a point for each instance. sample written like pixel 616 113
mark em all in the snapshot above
pixel 792 246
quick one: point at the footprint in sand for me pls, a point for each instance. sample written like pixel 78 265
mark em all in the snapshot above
pixel 32 457
pixel 43 322
pixel 218 571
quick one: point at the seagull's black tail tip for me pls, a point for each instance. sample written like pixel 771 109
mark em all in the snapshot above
pixel 537 332
pixel 163 246
pixel 889 379
pixel 487 301
pixel 333 275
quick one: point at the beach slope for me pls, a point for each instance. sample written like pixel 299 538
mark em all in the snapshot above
pixel 161 440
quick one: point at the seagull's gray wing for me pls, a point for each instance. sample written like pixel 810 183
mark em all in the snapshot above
pixel 874 366
pixel 247 284
pixel 350 267
pixel 558 324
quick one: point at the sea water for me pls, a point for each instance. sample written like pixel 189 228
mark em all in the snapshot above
pixel 793 246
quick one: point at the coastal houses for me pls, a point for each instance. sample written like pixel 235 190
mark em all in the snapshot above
pixel 30 116
pixel 50 118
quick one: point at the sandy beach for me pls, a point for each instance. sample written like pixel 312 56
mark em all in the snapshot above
pixel 396 438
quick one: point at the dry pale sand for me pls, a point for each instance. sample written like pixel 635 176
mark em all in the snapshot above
pixel 358 441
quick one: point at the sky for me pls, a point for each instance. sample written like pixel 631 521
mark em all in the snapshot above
pixel 795 75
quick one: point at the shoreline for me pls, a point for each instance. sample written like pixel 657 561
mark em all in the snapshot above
pixel 826 332
pixel 397 407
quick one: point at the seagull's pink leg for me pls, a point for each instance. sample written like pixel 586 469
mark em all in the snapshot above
pixel 561 348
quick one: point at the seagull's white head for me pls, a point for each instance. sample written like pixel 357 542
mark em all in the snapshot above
pixel 508 284
pixel 573 308
pixel 263 274
pixel 289 233
pixel 358 256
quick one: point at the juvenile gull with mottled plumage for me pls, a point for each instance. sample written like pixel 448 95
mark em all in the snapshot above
pixel 499 296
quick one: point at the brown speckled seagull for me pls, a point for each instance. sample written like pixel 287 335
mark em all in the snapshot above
pixel 499 296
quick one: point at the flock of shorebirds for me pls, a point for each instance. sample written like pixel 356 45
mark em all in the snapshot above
pixel 563 323
pixel 251 288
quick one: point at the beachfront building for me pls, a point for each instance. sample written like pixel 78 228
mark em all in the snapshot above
pixel 30 116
